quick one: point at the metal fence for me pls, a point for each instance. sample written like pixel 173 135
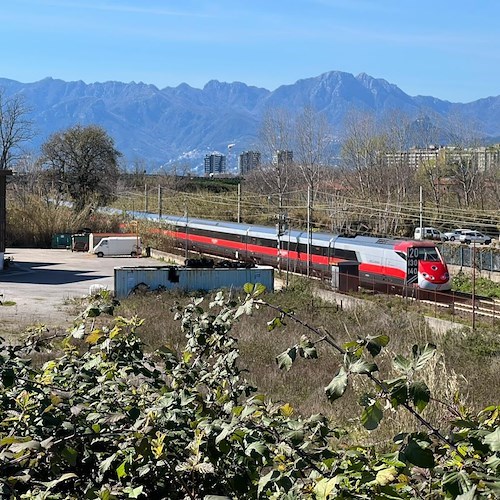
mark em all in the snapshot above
pixel 486 259
pixel 453 307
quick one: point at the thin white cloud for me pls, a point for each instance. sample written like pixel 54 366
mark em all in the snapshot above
pixel 120 7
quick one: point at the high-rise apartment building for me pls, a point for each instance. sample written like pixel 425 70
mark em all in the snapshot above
pixel 215 163
pixel 248 160
pixel 482 158
pixel 283 157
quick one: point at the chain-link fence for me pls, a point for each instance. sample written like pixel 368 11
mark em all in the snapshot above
pixel 486 259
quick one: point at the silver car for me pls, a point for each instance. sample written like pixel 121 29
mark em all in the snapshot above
pixel 455 234
pixel 474 236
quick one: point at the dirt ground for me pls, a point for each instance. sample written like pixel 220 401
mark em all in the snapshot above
pixel 45 286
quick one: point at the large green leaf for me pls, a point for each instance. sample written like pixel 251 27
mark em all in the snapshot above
pixel 29 444
pixel 269 478
pixel 336 388
pixel 8 377
pixel 307 349
pixel 245 308
pixel 258 290
pixel 371 416
pixel 398 390
pixel 386 476
pixel 134 492
pixel 362 366
pixel 493 440
pixel 375 344
pixel 64 477
pixel 276 322
pixel 257 447
pixel 286 359
pixel 402 364
pixel 421 355
pixel 420 394
pixel 122 469
pixel 468 495
pixel 106 463
pixel 418 455
pixel 324 488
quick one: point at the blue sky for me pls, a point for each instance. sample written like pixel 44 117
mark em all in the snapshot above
pixel 447 49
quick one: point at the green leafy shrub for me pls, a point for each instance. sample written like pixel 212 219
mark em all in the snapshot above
pixel 484 287
pixel 105 419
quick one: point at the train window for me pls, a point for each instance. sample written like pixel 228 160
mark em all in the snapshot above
pixel 428 253
pixel 402 255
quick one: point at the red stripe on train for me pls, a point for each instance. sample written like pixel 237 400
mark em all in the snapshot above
pixel 315 259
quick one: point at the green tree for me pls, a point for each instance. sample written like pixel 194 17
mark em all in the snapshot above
pixel 83 162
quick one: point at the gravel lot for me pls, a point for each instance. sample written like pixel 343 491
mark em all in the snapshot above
pixel 42 283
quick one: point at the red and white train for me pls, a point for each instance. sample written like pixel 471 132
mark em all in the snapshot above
pixel 382 263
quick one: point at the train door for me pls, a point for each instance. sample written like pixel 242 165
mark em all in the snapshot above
pixel 370 270
pixel 394 269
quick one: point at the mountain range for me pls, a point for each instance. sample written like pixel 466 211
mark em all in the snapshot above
pixel 181 124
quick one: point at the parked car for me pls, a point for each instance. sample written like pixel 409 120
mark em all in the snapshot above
pixel 476 236
pixel 455 234
pixel 428 233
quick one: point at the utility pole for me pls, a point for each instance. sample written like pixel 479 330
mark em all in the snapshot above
pixel 309 238
pixel 288 250
pixel 421 208
pixel 473 263
pixel 239 202
pixel 145 198
pixel 281 227
pixel 159 201
pixel 187 231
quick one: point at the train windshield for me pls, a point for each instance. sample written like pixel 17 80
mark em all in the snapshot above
pixel 428 253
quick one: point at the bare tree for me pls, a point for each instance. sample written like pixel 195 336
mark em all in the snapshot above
pixel 274 175
pixel 492 177
pixel 15 129
pixel 429 176
pixel 312 139
pixel 362 156
pixel 462 159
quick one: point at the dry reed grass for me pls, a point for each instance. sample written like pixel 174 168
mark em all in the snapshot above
pixel 454 370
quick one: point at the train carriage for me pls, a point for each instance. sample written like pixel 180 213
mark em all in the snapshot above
pixel 383 263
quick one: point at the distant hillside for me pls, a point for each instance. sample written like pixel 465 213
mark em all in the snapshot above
pixel 182 124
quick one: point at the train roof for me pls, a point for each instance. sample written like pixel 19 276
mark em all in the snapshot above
pixel 317 238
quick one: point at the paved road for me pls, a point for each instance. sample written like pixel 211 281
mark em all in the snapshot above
pixel 43 282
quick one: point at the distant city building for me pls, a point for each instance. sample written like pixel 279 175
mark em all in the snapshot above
pixel 483 158
pixel 283 157
pixel 215 163
pixel 248 160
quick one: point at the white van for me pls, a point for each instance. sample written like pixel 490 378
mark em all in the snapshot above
pixel 118 245
pixel 428 233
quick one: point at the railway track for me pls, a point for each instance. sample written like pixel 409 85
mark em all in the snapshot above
pixel 459 303
pixel 481 306
pixel 465 304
